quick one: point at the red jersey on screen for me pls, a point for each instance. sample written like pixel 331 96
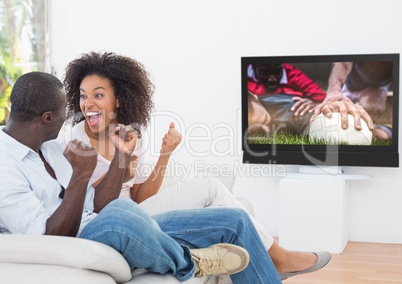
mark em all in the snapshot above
pixel 294 82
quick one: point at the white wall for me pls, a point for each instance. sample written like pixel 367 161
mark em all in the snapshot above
pixel 192 50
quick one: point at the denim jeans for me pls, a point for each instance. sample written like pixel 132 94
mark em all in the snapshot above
pixel 202 191
pixel 161 244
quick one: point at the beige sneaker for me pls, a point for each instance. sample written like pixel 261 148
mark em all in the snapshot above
pixel 219 259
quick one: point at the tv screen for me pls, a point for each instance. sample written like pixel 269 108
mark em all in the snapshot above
pixel 281 123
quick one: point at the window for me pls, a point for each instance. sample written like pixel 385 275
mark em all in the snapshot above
pixel 24 44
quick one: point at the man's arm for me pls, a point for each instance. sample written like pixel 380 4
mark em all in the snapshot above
pixel 336 101
pixel 66 219
pixel 339 73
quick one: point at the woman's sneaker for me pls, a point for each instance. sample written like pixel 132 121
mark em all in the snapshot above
pixel 219 259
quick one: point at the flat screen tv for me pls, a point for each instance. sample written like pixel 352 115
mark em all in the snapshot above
pixel 279 95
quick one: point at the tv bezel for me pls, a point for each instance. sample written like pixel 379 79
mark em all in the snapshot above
pixel 347 155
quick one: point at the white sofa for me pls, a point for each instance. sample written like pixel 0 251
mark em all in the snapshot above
pixel 66 260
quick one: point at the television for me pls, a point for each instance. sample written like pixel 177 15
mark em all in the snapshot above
pixel 274 88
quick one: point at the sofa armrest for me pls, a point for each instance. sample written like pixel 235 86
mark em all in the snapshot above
pixel 247 205
pixel 64 251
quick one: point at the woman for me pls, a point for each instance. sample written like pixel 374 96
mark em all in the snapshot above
pixel 105 89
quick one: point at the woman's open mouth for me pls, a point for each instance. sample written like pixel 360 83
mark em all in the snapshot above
pixel 93 118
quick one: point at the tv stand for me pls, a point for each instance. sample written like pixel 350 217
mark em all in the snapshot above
pixel 331 170
pixel 325 172
pixel 314 210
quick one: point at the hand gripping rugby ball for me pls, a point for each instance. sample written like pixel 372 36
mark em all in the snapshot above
pixel 329 129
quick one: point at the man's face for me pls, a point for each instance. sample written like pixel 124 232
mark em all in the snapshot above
pixel 59 115
pixel 269 75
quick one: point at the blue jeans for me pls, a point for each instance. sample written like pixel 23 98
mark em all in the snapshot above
pixel 161 244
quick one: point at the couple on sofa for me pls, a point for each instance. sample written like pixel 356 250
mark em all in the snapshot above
pixel 46 191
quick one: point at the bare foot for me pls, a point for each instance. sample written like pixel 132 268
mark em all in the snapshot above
pixel 291 261
pixel 296 261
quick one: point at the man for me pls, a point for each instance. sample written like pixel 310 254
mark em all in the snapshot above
pixel 359 88
pixel 44 190
pixel 286 93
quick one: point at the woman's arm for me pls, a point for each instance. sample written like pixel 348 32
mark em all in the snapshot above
pixel 124 138
pixel 140 192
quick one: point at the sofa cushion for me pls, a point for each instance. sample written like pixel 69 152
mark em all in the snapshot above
pixel 141 276
pixel 21 273
pixel 64 251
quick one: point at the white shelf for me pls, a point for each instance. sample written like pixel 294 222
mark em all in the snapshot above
pixel 314 214
pixel 314 209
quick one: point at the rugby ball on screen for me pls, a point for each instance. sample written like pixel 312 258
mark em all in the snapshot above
pixel 330 130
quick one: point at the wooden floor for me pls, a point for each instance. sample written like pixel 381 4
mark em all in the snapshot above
pixel 360 263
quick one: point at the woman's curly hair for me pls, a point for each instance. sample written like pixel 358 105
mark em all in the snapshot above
pixel 129 80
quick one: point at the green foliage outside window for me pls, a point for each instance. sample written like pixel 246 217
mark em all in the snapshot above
pixel 23 44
